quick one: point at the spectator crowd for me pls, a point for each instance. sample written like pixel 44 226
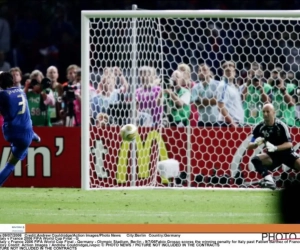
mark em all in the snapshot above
pixel 46 37
pixel 232 101
pixel 177 100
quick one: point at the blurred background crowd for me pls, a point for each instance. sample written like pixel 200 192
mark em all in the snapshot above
pixel 222 80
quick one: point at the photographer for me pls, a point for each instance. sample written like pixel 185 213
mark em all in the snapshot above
pixel 57 89
pixel 281 97
pixel 40 97
pixel 147 94
pixel 70 94
pixel 177 100
pixel 108 95
pixel 254 96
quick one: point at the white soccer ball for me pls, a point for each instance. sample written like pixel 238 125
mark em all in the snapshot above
pixel 128 132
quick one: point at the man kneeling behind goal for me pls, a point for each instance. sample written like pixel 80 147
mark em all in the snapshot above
pixel 278 146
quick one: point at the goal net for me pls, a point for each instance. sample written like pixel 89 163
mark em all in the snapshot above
pixel 162 71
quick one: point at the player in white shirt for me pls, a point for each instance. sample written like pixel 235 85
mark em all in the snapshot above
pixel 204 96
pixel 229 99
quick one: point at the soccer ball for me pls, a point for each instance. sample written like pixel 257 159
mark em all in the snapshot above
pixel 128 132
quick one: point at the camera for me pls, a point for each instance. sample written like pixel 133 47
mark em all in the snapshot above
pixel 296 95
pixel 168 83
pixel 255 79
pixel 276 77
pixel 277 81
pixel 46 83
pixel 33 83
pixel 68 98
pixel 69 92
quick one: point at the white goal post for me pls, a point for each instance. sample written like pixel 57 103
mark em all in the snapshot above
pixel 152 38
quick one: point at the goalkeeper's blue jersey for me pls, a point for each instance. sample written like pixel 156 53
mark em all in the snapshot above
pixel 15 111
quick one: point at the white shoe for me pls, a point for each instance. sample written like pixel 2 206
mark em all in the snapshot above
pixel 36 138
pixel 268 184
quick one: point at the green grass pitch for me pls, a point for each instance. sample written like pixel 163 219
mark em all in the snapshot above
pixel 157 206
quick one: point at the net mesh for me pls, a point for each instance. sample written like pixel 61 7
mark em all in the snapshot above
pixel 153 73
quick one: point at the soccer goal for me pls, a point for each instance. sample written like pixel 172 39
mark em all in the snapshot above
pixel 142 67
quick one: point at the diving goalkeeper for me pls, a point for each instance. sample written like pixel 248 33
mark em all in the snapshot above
pixel 275 135
pixel 17 126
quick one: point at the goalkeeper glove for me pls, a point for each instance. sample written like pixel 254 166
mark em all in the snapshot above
pixel 258 141
pixel 271 147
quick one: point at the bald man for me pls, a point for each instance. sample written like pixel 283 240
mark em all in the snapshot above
pixel 275 135
pixel 55 114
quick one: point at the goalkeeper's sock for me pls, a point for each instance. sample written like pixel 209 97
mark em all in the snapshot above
pixel 5 172
pixel 259 167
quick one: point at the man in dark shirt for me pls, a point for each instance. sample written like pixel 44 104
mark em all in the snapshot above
pixel 278 146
